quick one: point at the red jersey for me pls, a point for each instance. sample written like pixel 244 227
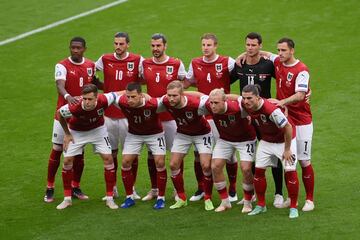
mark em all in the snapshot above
pixel 232 125
pixel 158 75
pixel 210 75
pixel 76 75
pixel 289 80
pixel 143 120
pixel 83 120
pixel 270 122
pixel 187 118
pixel 117 74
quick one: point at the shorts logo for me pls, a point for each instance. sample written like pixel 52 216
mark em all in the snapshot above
pixel 169 69
pixel 89 71
pixel 218 67
pixel 189 115
pixel 130 66
pixel 100 112
pixel 289 76
pixel 147 113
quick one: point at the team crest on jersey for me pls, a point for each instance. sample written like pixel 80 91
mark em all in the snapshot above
pixel 100 112
pixel 130 66
pixel 147 113
pixel 169 69
pixel 218 67
pixel 189 115
pixel 262 77
pixel 89 71
pixel 289 76
pixel 231 118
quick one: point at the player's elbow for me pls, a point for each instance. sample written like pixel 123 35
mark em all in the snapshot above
pixel 301 96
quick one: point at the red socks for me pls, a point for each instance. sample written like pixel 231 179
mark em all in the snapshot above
pixel 199 175
pixel 67 175
pixel 292 184
pixel 53 165
pixel 232 169
pixel 260 186
pixel 308 178
pixel 78 170
pixel 208 184
pixel 134 168
pixel 161 181
pixel 221 188
pixel 128 180
pixel 178 181
pixel 110 179
pixel 152 172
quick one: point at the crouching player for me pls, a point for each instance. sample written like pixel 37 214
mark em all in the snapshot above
pixel 235 134
pixel 85 124
pixel 192 128
pixel 144 128
pixel 277 141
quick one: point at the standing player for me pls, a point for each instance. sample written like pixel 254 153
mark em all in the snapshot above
pixel 192 128
pixel 158 71
pixel 277 142
pixel 258 70
pixel 207 73
pixel 86 125
pixel 235 134
pixel 292 85
pixel 71 74
pixel 144 128
pixel 120 68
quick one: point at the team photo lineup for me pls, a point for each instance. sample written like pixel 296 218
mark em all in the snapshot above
pixel 181 108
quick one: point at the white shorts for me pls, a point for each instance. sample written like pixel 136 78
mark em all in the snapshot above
pixel 214 130
pixel 170 132
pixel 98 137
pixel 267 154
pixel 58 133
pixel 155 143
pixel 303 141
pixel 182 143
pixel 117 129
pixel 225 149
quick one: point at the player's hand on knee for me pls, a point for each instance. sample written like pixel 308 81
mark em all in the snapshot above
pixel 288 157
pixel 67 139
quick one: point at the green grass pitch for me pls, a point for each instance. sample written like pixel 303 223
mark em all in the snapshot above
pixel 327 39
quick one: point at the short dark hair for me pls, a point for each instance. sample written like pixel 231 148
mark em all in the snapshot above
pixel 78 39
pixel 134 86
pixel 157 36
pixel 89 88
pixel 123 35
pixel 289 41
pixel 254 89
pixel 211 36
pixel 254 35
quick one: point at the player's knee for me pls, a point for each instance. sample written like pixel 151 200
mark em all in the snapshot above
pixel 215 167
pixel 57 147
pixel 68 162
pixel 304 163
pixel 108 159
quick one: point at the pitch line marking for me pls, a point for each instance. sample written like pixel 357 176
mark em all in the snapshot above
pixel 55 24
